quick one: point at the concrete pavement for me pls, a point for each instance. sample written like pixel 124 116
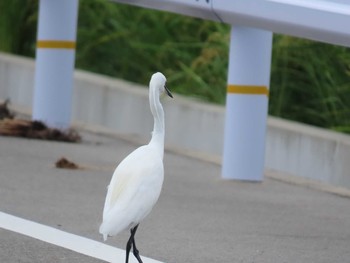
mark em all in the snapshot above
pixel 199 217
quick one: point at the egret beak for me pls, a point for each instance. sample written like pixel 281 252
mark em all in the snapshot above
pixel 168 91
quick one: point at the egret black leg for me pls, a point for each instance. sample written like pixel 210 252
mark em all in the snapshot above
pixel 128 247
pixel 131 241
pixel 135 251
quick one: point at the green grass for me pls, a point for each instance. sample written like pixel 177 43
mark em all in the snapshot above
pixel 18 20
pixel 132 43
pixel 310 81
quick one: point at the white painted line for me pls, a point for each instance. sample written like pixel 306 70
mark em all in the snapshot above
pixel 66 240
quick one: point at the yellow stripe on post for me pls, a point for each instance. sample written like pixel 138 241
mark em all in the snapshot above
pixel 247 89
pixel 56 44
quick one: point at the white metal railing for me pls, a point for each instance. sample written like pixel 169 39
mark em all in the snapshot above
pixel 322 20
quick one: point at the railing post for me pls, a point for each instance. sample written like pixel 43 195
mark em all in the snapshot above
pixel 55 56
pixel 247 104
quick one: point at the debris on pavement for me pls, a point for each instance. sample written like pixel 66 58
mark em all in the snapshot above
pixel 9 126
pixel 36 130
pixel 66 164
pixel 5 112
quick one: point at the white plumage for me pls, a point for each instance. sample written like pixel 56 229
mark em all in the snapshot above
pixel 137 181
pixel 133 191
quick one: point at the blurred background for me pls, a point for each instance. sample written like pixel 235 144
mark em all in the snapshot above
pixel 310 81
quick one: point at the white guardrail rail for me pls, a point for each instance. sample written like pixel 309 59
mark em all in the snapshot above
pixel 321 20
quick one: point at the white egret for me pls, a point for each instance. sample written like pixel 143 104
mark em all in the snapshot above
pixel 137 181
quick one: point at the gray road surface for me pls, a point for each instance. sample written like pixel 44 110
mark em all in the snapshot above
pixel 199 217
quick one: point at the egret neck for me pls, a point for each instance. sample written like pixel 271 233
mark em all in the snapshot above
pixel 158 115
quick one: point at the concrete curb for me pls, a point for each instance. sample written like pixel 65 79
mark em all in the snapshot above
pixel 291 148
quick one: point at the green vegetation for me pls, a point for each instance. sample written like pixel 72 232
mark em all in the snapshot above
pixel 132 43
pixel 310 81
pixel 18 21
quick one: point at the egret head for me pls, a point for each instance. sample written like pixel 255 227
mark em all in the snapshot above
pixel 158 80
